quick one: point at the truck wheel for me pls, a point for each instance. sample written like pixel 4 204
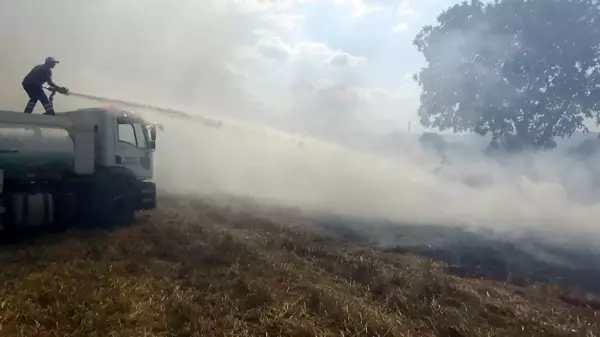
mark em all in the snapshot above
pixel 124 206
pixel 116 206
pixel 65 211
pixel 123 202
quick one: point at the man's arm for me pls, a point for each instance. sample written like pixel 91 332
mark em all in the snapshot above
pixel 49 79
pixel 52 84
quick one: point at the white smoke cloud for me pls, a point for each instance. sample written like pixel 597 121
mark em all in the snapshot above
pixel 247 59
pixel 232 58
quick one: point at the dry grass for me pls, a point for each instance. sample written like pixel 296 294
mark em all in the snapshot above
pixel 203 270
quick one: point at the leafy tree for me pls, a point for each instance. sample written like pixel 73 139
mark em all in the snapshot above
pixel 524 67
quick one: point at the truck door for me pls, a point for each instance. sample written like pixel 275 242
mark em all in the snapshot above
pixel 133 147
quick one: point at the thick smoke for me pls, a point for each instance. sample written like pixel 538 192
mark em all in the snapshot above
pixel 182 54
pixel 549 194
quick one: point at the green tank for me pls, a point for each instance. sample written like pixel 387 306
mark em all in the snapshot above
pixel 29 150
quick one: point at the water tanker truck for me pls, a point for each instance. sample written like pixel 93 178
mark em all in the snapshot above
pixel 91 165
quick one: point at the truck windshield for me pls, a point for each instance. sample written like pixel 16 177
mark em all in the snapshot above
pixel 132 133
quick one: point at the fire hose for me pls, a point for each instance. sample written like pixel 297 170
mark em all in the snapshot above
pixel 174 113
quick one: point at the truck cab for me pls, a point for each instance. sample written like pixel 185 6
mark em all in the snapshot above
pixel 105 173
pixel 123 140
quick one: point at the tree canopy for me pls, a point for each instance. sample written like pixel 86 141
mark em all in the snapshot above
pixel 528 68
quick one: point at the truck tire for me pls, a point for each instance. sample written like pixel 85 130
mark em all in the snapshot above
pixel 115 202
pixel 124 204
pixel 65 211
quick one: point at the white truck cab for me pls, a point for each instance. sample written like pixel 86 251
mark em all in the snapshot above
pixel 104 175
pixel 123 139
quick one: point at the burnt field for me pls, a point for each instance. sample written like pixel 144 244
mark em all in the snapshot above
pixel 517 260
pixel 215 267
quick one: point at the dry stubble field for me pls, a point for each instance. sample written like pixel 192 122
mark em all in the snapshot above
pixel 198 268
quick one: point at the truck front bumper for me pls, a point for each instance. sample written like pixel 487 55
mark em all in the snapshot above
pixel 147 196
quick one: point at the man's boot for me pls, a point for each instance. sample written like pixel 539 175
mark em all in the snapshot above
pixel 49 109
pixel 29 107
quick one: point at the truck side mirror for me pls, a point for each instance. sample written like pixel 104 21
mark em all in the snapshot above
pixel 153 145
pixel 153 133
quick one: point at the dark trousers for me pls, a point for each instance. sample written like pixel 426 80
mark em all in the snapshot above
pixel 36 93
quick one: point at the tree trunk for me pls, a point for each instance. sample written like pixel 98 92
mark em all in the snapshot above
pixel 523 138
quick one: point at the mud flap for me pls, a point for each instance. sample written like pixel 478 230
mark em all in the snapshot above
pixel 2 209
pixel 147 196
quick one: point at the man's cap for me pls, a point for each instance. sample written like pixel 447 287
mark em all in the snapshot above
pixel 51 60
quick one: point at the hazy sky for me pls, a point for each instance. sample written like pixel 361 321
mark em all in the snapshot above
pixel 361 46
pixel 322 65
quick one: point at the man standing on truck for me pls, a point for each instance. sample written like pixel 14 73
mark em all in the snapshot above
pixel 32 83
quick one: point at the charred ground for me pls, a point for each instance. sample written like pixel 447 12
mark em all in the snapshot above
pixel 206 268
pixel 517 260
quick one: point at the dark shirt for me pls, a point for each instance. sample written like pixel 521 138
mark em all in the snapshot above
pixel 39 75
